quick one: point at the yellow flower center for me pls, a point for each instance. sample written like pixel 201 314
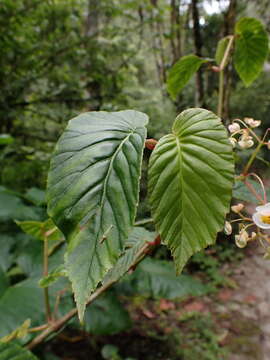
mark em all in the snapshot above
pixel 265 219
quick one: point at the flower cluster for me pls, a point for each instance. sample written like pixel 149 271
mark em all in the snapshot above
pixel 260 220
pixel 244 137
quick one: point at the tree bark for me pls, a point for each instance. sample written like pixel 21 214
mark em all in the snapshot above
pixel 175 36
pixel 199 95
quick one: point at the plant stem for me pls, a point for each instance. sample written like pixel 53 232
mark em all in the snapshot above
pixel 220 93
pixel 252 157
pixel 254 192
pixel 55 326
pixel 45 273
pixel 221 76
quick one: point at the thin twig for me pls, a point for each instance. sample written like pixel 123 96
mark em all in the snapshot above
pixel 55 326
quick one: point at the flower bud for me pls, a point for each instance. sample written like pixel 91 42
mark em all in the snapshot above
pixel 227 228
pixel 241 239
pixel 233 141
pixel 234 127
pixel 268 144
pixel 252 123
pixel 237 208
pixel 246 143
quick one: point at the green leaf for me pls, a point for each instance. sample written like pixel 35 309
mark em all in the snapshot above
pixel 12 207
pixel 190 183
pixel 221 48
pixel 136 240
pixel 39 229
pixel 11 351
pixel 6 139
pixel 4 282
pixel 20 302
pixel 106 316
pixel 93 187
pixel 241 192
pixel 251 49
pixel 18 333
pixel 156 279
pixel 53 276
pixel 181 73
pixel 36 196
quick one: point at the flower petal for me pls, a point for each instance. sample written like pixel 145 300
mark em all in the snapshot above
pixel 257 220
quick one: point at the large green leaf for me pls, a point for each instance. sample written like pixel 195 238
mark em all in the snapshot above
pixel 156 278
pixel 190 183
pixel 12 351
pixel 251 49
pixel 92 194
pixel 181 73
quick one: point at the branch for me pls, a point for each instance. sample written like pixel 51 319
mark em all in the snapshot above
pixel 57 325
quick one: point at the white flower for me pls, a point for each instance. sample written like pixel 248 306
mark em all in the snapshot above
pixel 262 216
pixel 234 127
pixel 246 142
pixel 252 123
pixel 237 208
pixel 227 228
pixel 233 141
pixel 241 239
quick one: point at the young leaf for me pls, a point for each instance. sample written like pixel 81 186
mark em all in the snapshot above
pixel 251 49
pixel 11 351
pixel 190 183
pixel 92 194
pixel 39 229
pixel 136 240
pixel 221 48
pixel 18 333
pixel 181 73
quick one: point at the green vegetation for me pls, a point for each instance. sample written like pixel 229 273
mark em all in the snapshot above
pixel 105 218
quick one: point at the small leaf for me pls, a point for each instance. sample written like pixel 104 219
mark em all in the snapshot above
pixel 39 229
pixel 93 189
pixel 181 73
pixel 251 49
pixel 18 333
pixel 53 276
pixel 190 183
pixel 11 351
pixel 221 48
pixel 136 240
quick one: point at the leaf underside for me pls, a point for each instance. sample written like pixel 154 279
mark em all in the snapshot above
pixel 251 49
pixel 92 194
pixel 190 183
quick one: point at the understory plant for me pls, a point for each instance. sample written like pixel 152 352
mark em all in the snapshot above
pixel 93 193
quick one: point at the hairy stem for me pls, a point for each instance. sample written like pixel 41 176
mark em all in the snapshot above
pixel 45 273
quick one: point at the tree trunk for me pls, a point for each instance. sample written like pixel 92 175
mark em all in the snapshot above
pixel 229 23
pixel 199 95
pixel 91 32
